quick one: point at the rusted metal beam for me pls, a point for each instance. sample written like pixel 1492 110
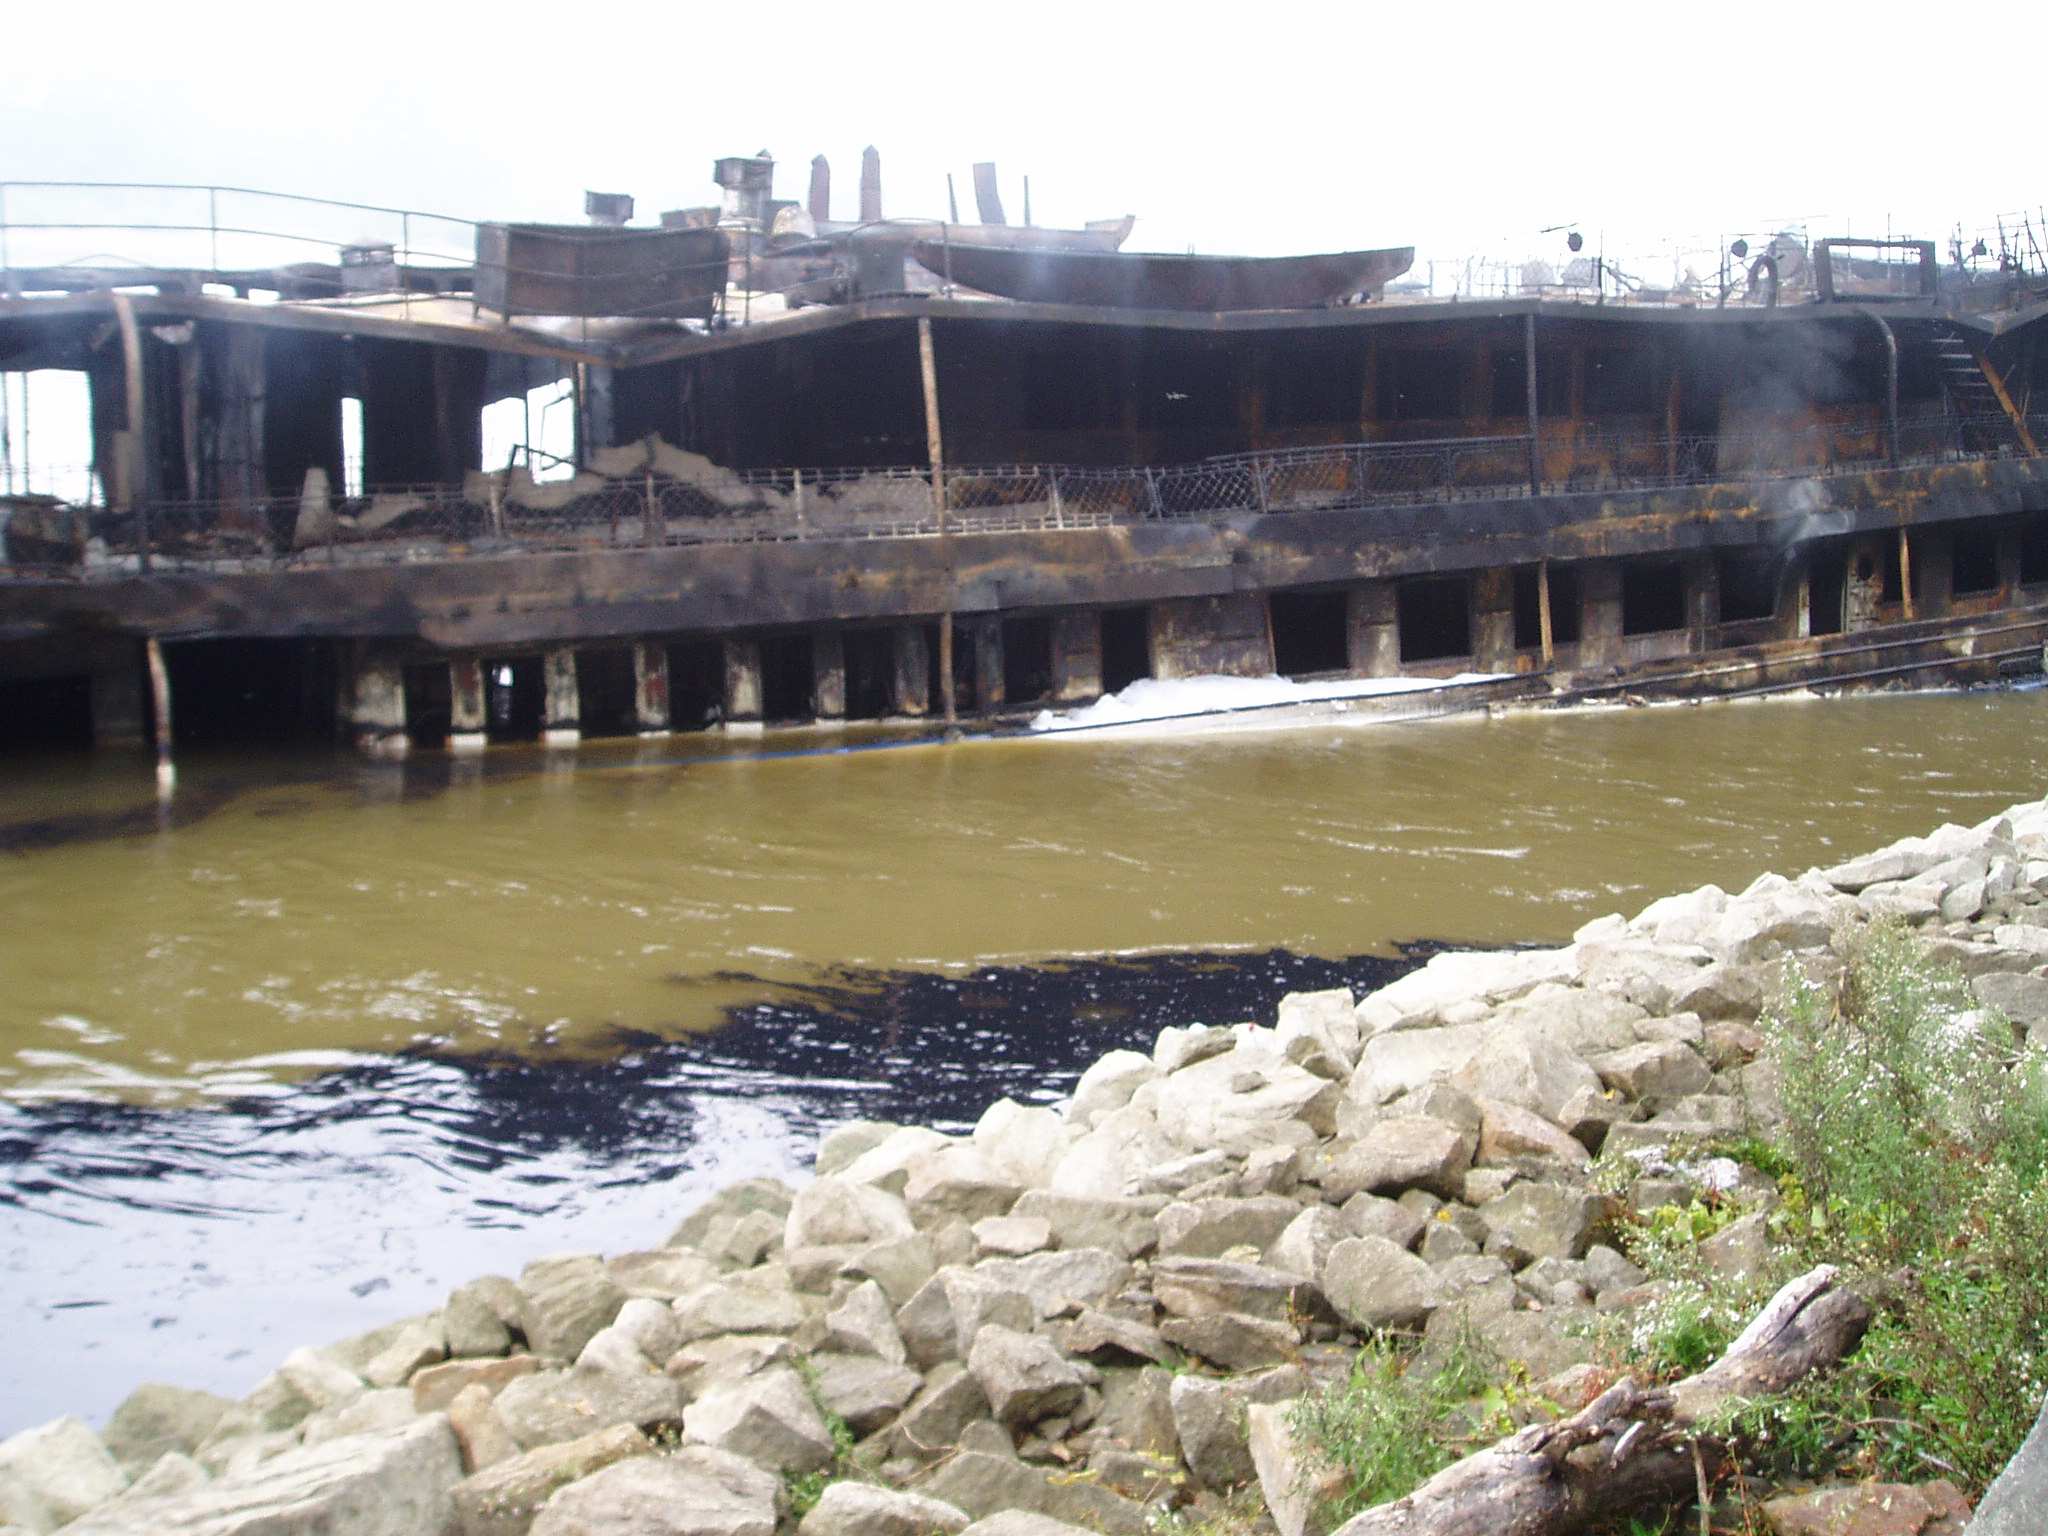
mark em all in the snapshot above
pixel 928 370
pixel 988 198
pixel 1535 424
pixel 1891 386
pixel 2005 402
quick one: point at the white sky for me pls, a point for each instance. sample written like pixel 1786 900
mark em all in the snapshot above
pixel 1264 127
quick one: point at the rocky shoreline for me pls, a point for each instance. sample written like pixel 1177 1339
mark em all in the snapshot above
pixel 1094 1317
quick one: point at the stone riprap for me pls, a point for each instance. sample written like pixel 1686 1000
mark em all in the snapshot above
pixel 1067 1318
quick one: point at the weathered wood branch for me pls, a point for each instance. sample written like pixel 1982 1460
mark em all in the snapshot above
pixel 1631 1447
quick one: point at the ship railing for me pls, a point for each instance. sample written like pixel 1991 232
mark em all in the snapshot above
pixel 496 516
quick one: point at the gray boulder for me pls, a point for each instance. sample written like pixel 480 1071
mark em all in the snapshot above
pixel 941 1320
pixel 1011 1237
pixel 1308 1239
pixel 479 1431
pixel 1127 1225
pixel 1103 1333
pixel 844 1212
pixel 1199 1287
pixel 931 1424
pixel 2019 995
pixel 769 1419
pixel 1412 1152
pixel 865 1324
pixel 1061 1281
pixel 841 1146
pixel 474 1321
pixel 394 1484
pixel 1525 1068
pixel 1108 1084
pixel 1025 1141
pixel 696 1492
pixel 1654 1069
pixel 1514 1136
pixel 155 1418
pixel 767 1197
pixel 1024 1378
pixel 568 1298
pixel 1211 1228
pixel 983 1484
pixel 1372 1284
pixel 1543 1220
pixel 861 1509
pixel 660 1274
pixel 1209 1417
pixel 53 1473
pixel 752 1301
pixel 502 1499
pixel 549 1407
pixel 1245 1100
pixel 2017 1499
pixel 863 1391
pixel 1234 1342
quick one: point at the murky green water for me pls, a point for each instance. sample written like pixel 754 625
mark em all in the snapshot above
pixel 281 911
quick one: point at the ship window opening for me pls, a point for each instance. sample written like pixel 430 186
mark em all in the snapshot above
pixel 1310 633
pixel 696 684
pixel 46 434
pixel 1975 561
pixel 1126 647
pixel 1435 618
pixel 966 669
pixel 1418 385
pixel 870 673
pixel 1827 590
pixel 1749 588
pixel 515 698
pixel 239 691
pixel 1027 660
pixel 39 713
pixel 1652 598
pixel 1631 382
pixel 1529 609
pixel 788 678
pixel 2034 552
pixel 537 429
pixel 351 447
pixel 429 703
pixel 605 703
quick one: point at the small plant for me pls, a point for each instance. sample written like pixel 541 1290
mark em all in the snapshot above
pixel 806 1488
pixel 1396 1421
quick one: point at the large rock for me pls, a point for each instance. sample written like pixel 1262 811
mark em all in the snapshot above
pixel 1326 1020
pixel 983 1484
pixel 1654 1069
pixel 1455 978
pixel 844 1212
pixel 1023 1522
pixel 702 1228
pixel 860 1509
pixel 1201 1287
pixel 1293 1484
pixel 696 1492
pixel 1245 1100
pixel 1025 1141
pixel 395 1484
pixel 1394 1063
pixel 1372 1283
pixel 1023 1376
pixel 502 1499
pixel 1211 1228
pixel 2013 1504
pixel 769 1419
pixel 1126 1224
pixel 931 1424
pixel 1515 1137
pixel 1234 1342
pixel 156 1418
pixel 941 1320
pixel 1543 1220
pixel 958 1182
pixel 568 1298
pixel 752 1301
pixel 553 1406
pixel 1209 1416
pixel 2020 996
pixel 52 1474
pixel 1307 1240
pixel 1410 1152
pixel 863 1391
pixel 865 1324
pixel 1059 1282
pixel 478 1318
pixel 1108 1084
pixel 1523 1067
pixel 1877 1509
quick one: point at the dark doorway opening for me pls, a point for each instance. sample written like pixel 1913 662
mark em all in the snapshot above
pixel 1027 660
pixel 1126 647
pixel 515 698
pixel 1652 597
pixel 789 679
pixel 1435 618
pixel 2034 552
pixel 1310 633
pixel 1749 587
pixel 1975 561
pixel 966 669
pixel 1567 604
pixel 429 703
pixel 870 673
pixel 696 684
pixel 934 700
pixel 604 692
pixel 1827 586
pixel 38 713
pixel 236 691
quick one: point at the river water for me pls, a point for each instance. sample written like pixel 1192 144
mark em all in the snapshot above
pixel 292 1054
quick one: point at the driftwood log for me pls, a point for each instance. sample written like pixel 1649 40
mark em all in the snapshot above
pixel 1632 1448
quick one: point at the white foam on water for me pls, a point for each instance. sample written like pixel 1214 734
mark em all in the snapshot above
pixel 1152 698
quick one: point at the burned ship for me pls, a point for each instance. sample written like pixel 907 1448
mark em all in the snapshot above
pixel 817 475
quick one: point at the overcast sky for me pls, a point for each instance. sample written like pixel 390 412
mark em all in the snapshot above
pixel 1263 127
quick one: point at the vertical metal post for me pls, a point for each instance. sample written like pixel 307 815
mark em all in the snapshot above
pixel 1891 388
pixel 213 228
pixel 160 695
pixel 1905 574
pixel 131 457
pixel 1529 391
pixel 1543 607
pixel 928 368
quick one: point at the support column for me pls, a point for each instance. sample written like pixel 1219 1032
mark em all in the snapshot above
pixel 1227 636
pixel 912 689
pixel 562 719
pixel 988 663
pixel 1076 657
pixel 1493 620
pixel 1600 613
pixel 743 687
pixel 376 703
pixel 1702 600
pixel 117 719
pixel 1373 630
pixel 160 695
pixel 467 720
pixel 650 687
pixel 828 674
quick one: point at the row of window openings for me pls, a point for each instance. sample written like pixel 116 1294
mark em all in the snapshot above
pixel 537 429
